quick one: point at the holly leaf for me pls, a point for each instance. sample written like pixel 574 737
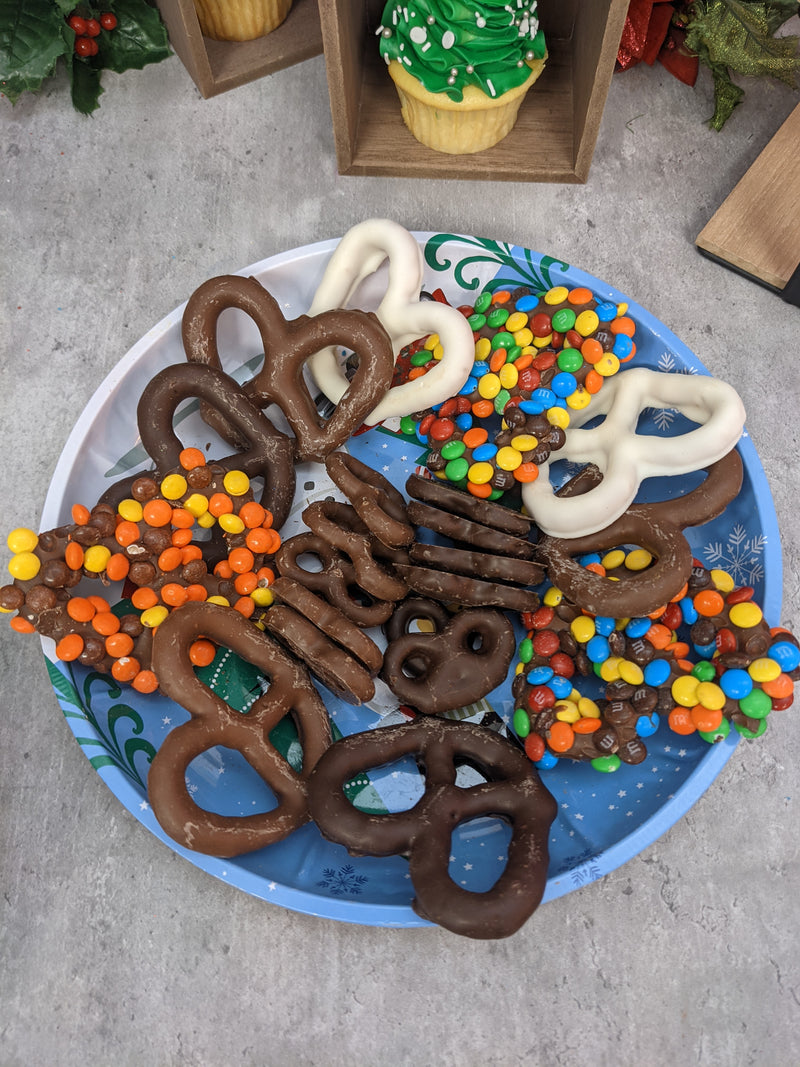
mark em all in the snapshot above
pixel 740 36
pixel 86 87
pixel 33 36
pixel 138 39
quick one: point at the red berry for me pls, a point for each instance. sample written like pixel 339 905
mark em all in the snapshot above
pixel 93 27
pixel 77 24
pixel 108 21
pixel 83 46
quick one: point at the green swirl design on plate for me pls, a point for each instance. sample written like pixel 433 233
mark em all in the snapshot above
pixel 79 705
pixel 524 268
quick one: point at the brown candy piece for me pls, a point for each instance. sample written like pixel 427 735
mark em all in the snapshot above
pixel 287 346
pixel 452 667
pixel 213 722
pixel 380 506
pixel 658 527
pixel 512 790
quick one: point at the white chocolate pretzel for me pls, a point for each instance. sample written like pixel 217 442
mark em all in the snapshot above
pixel 360 253
pixel 626 458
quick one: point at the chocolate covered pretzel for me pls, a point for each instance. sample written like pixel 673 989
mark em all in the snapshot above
pixel 287 346
pixel 380 506
pixel 213 722
pixel 424 832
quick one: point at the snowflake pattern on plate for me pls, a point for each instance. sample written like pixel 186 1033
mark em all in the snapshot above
pixel 344 880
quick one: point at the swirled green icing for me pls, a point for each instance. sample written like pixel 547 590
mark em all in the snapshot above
pixel 449 44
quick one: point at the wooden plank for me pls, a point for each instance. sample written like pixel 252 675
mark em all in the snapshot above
pixel 757 228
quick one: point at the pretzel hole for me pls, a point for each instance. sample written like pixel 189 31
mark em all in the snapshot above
pixel 415 666
pixel 396 785
pixel 221 781
pixel 310 562
pixel 479 852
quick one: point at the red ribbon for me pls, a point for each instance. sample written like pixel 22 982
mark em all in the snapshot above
pixel 653 33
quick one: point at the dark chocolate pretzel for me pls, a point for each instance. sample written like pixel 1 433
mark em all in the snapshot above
pixel 512 791
pixel 657 527
pixel 213 722
pixel 455 665
pixel 287 346
pixel 380 506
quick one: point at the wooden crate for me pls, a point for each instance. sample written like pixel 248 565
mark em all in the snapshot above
pixel 555 134
pixel 216 66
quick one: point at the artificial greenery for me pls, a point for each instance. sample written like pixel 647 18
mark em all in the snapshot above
pixel 35 38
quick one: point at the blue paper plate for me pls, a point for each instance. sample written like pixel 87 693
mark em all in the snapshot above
pixel 604 819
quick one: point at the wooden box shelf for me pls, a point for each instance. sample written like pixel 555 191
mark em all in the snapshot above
pixel 217 66
pixel 555 134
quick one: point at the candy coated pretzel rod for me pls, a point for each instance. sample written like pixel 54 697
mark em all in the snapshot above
pixel 625 458
pixel 359 254
pixel 214 722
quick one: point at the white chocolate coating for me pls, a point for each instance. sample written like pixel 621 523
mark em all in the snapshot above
pixel 360 253
pixel 625 457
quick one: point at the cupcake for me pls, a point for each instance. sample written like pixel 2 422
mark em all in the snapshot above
pixel 240 20
pixel 462 67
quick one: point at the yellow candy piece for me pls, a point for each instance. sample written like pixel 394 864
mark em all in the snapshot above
pixel 231 524
pixel 722 581
pixel 236 483
pixel 613 559
pixel 524 442
pixel 520 667
pixel 542 342
pixel 684 690
pixel 609 670
pixel 217 599
pixel 131 510
pixel 747 614
pixel 607 365
pixel 480 473
pixel 206 520
pixel 638 559
pixel 262 596
pixel 621 309
pixel 566 711
pixel 489 386
pixel 587 322
pixel 523 338
pixel 173 486
pixel 196 505
pixel 710 696
pixel 153 617
pixel 557 295
pixel 483 349
pixel 631 672
pixel 22 540
pixel 508 459
pixel 583 628
pixel 24 566
pixel 588 708
pixel 764 670
pixel 552 597
pixel 508 375
pixel 431 342
pixel 558 417
pixel 580 399
pixel 96 558
pixel 515 321
pixel 438 352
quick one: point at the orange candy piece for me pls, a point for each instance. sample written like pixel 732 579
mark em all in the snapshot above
pixel 157 512
pixel 680 721
pixel 125 669
pixel 190 458
pixel 73 556
pixel 106 623
pixel 561 736
pixel 126 533
pixel 80 514
pixel 69 647
pixel 202 652
pixel 145 682
pixel 80 609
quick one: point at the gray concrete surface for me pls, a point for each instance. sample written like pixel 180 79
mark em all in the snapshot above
pixel 115 951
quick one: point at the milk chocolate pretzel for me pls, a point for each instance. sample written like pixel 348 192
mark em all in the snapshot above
pixel 424 832
pixel 455 665
pixel 267 452
pixel 213 722
pixel 338 524
pixel 485 512
pixel 380 506
pixel 335 580
pixel 657 527
pixel 287 346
